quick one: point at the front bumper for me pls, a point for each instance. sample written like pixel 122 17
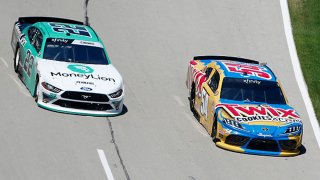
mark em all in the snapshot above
pixel 245 142
pixel 72 104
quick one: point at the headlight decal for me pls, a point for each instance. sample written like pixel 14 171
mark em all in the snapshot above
pixel 293 129
pixel 50 87
pixel 116 94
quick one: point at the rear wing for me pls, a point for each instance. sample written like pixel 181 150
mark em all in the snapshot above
pixel 19 38
pixel 229 58
pixel 32 20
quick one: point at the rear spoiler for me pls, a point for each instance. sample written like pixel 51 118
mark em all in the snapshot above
pixel 35 19
pixel 225 58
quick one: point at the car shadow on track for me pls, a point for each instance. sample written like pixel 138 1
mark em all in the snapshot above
pixel 124 111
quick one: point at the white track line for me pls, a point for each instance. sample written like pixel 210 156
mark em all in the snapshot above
pixel 4 62
pixel 21 88
pixel 179 101
pixel 105 164
pixel 297 69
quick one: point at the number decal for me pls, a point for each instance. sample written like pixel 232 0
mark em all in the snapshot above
pixel 204 103
pixel 28 63
pixel 248 70
pixel 72 29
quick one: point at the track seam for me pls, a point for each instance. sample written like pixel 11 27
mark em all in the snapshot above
pixel 113 140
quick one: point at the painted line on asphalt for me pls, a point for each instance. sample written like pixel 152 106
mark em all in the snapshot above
pixel 4 62
pixel 179 101
pixel 297 69
pixel 197 125
pixel 21 88
pixel 105 164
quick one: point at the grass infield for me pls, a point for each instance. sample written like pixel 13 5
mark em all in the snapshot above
pixel 305 19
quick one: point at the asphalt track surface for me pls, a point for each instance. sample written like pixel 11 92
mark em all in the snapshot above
pixel 150 42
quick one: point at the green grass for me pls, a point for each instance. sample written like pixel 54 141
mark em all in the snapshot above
pixel 305 19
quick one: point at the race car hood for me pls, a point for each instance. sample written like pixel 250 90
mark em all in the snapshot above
pixel 80 77
pixel 260 119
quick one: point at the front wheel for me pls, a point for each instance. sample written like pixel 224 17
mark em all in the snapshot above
pixel 192 102
pixel 192 99
pixel 214 130
pixel 36 91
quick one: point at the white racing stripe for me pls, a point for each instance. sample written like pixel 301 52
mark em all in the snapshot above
pixel 4 62
pixel 297 69
pixel 21 88
pixel 105 164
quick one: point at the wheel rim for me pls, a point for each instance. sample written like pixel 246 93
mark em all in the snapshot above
pixel 17 58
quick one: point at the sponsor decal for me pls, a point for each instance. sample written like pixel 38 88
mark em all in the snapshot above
pixel 260 113
pixel 87 43
pixel 85 82
pixel 80 68
pixel 264 135
pixel 85 76
pixel 247 70
pixel 70 28
pixel 250 81
pixel 59 40
pixel 86 89
pixel 21 36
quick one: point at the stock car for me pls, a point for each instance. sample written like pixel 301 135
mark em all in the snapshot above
pixel 242 106
pixel 65 67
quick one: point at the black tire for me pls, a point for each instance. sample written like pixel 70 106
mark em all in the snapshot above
pixel 35 94
pixel 192 98
pixel 214 130
pixel 191 102
pixel 16 60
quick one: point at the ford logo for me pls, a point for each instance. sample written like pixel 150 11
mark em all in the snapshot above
pixel 86 88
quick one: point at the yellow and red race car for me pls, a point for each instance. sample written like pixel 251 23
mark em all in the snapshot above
pixel 242 106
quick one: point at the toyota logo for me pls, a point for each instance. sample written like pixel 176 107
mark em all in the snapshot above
pixel 265 129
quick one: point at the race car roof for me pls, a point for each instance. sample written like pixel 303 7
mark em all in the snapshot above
pixel 246 70
pixel 68 31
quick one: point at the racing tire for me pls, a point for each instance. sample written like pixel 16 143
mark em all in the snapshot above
pixel 16 60
pixel 192 101
pixel 36 92
pixel 214 130
pixel 192 98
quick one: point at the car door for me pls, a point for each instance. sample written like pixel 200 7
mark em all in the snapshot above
pixel 31 50
pixel 205 94
pixel 214 85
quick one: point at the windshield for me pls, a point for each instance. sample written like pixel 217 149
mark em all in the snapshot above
pixel 75 51
pixel 252 91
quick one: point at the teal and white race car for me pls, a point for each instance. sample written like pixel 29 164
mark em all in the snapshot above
pixel 65 67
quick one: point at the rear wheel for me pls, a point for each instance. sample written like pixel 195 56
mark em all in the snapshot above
pixel 192 98
pixel 16 60
pixel 192 101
